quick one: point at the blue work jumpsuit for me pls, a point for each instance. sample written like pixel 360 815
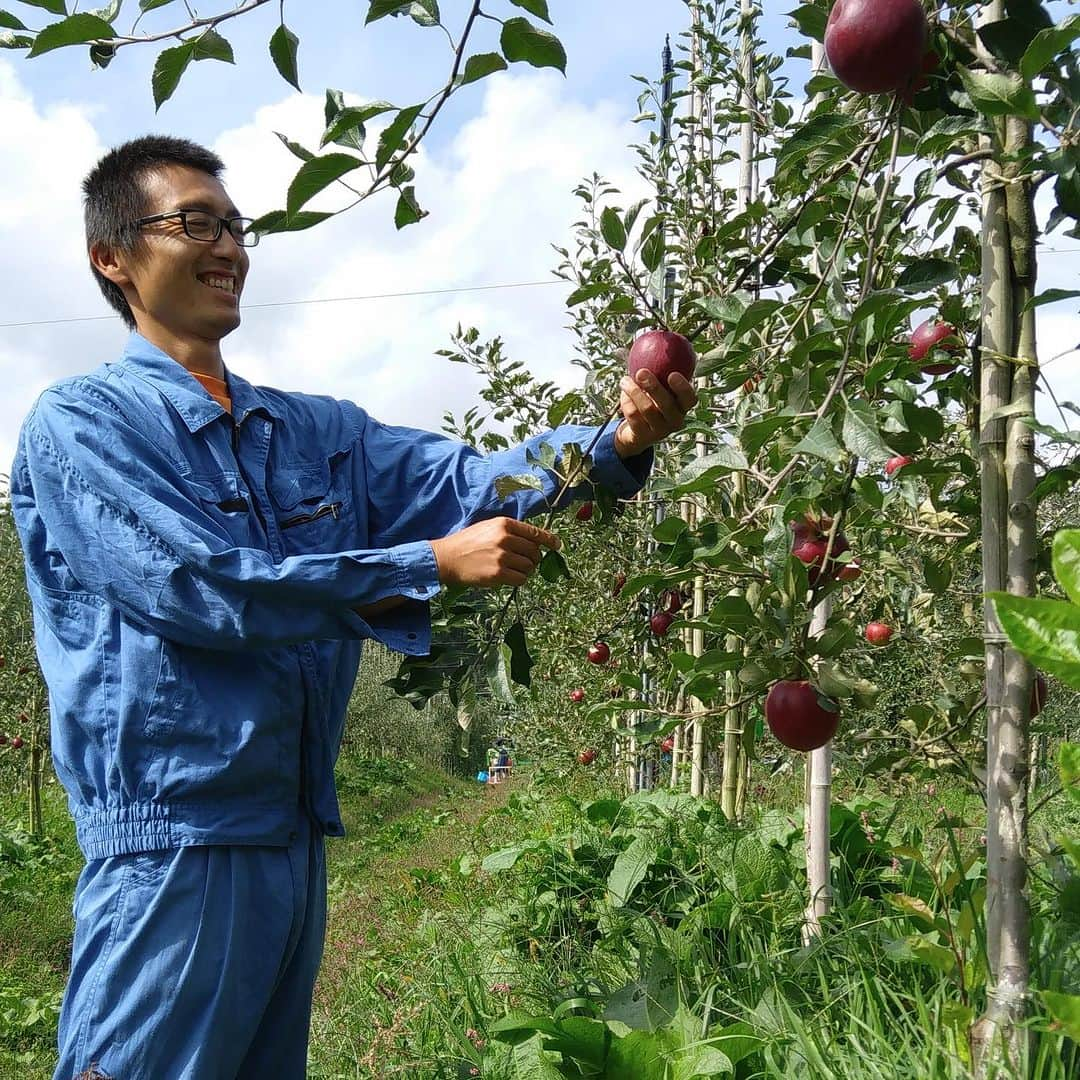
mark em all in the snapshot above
pixel 193 576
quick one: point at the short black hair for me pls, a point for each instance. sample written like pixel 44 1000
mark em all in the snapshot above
pixel 114 195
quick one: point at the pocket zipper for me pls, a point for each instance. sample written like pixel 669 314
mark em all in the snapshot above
pixel 321 512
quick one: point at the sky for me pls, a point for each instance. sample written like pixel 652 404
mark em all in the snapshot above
pixel 496 174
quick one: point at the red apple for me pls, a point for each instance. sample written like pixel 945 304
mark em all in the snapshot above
pixel 929 335
pixel 876 46
pixel 660 623
pixel 1038 694
pixel 811 540
pixel 851 571
pixel 599 653
pixel 584 512
pixel 877 633
pixel 896 463
pixel 577 695
pixel 671 601
pixel 668 745
pixel 17 743
pixel 796 716
pixel 617 587
pixel 587 757
pixel 662 352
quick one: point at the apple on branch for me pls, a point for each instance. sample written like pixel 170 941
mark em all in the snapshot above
pixel 598 653
pixel 799 716
pixel 934 334
pixel 876 46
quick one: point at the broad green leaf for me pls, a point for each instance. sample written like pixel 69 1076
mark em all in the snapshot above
pixel 756 433
pixel 394 134
pixel 506 858
pixel 53 7
pixel 1065 1009
pixel 521 663
pixel 295 148
pixel 278 221
pixel 923 275
pixel 9 40
pixel 170 66
pixel 652 250
pixel 861 434
pixel 755 315
pixel 348 120
pixel 553 566
pixel 875 302
pixel 998 94
pixel 611 228
pixel 407 211
pixel 817 132
pixel 507 485
pixel 284 45
pixel 538 8
pixel 424 12
pixel 149 5
pixel 212 46
pixel 563 407
pixel 315 175
pixel 727 459
pixel 521 41
pixel 701 1060
pixel 630 869
pixel 532 1062
pixel 1047 44
pixel 1066 558
pixel 820 442
pixel 1046 631
pixel 481 65
pixel 913 906
pixel 74 30
pixel 1050 296
pixel 948 133
pixel 9 20
pixel 379 9
pixel 495 668
pixel 811 20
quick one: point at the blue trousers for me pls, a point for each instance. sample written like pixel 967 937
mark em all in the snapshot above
pixel 197 963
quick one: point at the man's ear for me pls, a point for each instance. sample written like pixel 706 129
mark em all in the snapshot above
pixel 111 263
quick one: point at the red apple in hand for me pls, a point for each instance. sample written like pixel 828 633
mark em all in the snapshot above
pixel 577 695
pixel 877 633
pixel 894 464
pixel 796 716
pixel 587 757
pixel 662 352
pixel 599 653
pixel 660 623
pixel 875 46
pixel 585 511
pixel 933 334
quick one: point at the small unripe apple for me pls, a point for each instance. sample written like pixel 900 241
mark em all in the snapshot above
pixel 584 512
pixel 851 571
pixel 660 623
pixel 662 352
pixel 929 335
pixel 599 653
pixel 668 745
pixel 875 46
pixel 617 587
pixel 17 743
pixel 1038 694
pixel 896 463
pixel 877 633
pixel 587 757
pixel 796 716
pixel 577 695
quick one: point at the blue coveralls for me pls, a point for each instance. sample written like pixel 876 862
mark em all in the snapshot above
pixel 193 577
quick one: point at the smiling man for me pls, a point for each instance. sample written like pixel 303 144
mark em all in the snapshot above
pixel 205 559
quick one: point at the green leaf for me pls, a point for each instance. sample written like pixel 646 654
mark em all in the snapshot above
pixel 315 175
pixel 521 41
pixel 170 66
pixel 9 20
pixel 295 148
pixel 424 12
pixel 645 1005
pixel 9 40
pixel 922 275
pixel 506 858
pixel 1046 45
pixel 393 135
pixel 754 316
pixel 820 442
pixel 538 8
pixel 481 65
pixel 495 668
pixel 861 434
pixel 1065 1009
pixel 407 211
pixel 563 407
pixel 1050 296
pixel 611 228
pixel 811 20
pixel 74 30
pixel 278 221
pixel 53 7
pixel 521 663
pixel 1066 558
pixel 875 302
pixel 727 459
pixel 283 49
pixel 630 869
pixel 652 250
pixel 817 132
pixel 553 566
pixel 507 485
pixel 212 46
pixel 379 9
pixel 997 94
pixel 1046 631
pixel 146 5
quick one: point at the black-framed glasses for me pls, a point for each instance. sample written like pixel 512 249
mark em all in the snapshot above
pixel 201 225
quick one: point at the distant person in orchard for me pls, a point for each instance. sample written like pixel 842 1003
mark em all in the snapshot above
pixel 206 559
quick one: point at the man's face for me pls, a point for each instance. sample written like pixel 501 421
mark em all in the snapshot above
pixel 189 289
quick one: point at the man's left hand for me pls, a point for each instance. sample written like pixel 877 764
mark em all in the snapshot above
pixel 650 411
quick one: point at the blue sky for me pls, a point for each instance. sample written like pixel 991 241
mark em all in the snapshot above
pixel 497 175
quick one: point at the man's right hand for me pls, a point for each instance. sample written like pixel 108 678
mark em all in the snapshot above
pixel 500 551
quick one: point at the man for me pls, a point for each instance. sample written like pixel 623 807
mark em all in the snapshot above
pixel 205 559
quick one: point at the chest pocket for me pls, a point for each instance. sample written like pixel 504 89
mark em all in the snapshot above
pixel 225 498
pixel 312 503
